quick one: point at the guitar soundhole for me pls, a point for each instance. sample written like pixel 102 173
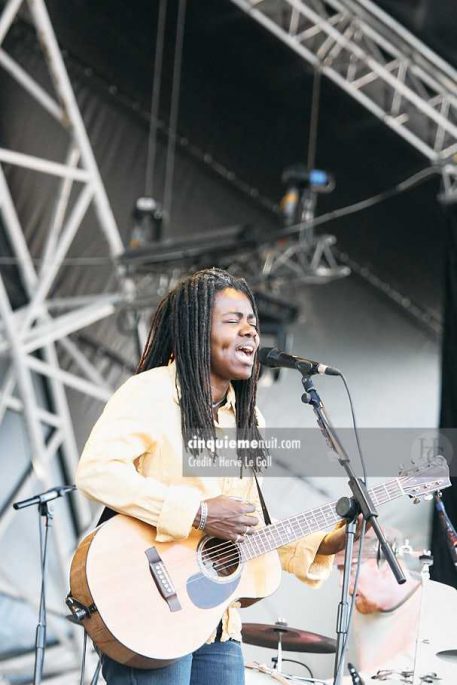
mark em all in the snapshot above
pixel 219 558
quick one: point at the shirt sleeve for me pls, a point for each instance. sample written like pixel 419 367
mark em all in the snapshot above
pixel 301 559
pixel 129 427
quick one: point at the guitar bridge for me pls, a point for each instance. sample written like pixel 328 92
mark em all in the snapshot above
pixel 162 579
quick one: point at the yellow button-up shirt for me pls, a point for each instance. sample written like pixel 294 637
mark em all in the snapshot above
pixel 133 463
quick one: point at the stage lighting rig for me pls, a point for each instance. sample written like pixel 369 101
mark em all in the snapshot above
pixel 299 254
pixel 147 223
pixel 302 185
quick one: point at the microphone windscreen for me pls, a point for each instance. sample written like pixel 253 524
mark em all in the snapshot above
pixel 264 356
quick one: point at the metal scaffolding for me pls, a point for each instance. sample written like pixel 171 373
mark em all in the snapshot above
pixel 30 336
pixel 355 44
pixel 375 60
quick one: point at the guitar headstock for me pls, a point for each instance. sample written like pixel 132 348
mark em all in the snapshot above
pixel 422 480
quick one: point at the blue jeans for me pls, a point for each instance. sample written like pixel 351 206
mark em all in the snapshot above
pixel 218 662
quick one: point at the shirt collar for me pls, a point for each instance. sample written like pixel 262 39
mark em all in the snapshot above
pixel 231 397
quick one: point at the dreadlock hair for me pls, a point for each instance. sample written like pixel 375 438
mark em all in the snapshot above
pixel 180 331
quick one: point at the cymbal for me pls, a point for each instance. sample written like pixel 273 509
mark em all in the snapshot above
pixel 293 639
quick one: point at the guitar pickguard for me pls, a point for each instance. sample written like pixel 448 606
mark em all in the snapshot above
pixel 206 594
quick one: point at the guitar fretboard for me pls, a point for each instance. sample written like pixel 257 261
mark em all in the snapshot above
pixel 298 526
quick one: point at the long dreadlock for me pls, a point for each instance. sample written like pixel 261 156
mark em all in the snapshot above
pixel 180 331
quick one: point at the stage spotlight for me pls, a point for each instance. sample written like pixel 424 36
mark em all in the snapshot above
pixel 301 183
pixel 147 223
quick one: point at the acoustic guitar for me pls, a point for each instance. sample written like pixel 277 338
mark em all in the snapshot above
pixel 146 603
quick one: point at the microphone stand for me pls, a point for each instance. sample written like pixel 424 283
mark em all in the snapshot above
pixel 45 511
pixel 348 508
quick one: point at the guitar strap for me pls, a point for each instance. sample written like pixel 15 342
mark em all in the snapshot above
pixel 266 515
pixel 106 515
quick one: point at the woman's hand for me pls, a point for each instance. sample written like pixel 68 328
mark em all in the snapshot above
pixel 335 541
pixel 228 518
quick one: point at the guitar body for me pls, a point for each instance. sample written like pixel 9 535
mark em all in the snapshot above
pixel 153 602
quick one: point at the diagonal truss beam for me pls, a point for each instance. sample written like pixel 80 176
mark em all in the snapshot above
pixel 40 451
pixel 30 335
pixel 8 16
pixel 376 61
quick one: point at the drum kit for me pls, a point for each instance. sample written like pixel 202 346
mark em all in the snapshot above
pixel 281 637
pixel 426 620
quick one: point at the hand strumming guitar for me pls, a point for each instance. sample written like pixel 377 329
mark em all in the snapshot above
pixel 228 518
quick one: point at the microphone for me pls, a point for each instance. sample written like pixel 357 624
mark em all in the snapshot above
pixel 53 493
pixel 275 359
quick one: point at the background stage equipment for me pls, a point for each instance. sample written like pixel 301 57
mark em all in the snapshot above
pixel 45 514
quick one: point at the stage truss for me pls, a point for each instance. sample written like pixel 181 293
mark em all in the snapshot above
pixel 31 335
pixel 354 44
pixel 376 61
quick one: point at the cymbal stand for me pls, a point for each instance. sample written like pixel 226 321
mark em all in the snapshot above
pixel 279 623
pixel 427 561
pixel 278 661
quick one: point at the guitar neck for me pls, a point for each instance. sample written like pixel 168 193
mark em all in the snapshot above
pixel 298 526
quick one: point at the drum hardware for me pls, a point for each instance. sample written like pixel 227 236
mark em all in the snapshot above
pixel 260 674
pixel 404 676
pixel 290 639
pixel 427 560
pixel 274 661
pixel 280 629
pixel 280 636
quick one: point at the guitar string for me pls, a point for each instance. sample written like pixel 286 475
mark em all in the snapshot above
pixel 268 531
pixel 322 525
pixel 237 555
pixel 256 538
pixel 228 561
pixel 293 520
pixel 249 542
pixel 374 492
